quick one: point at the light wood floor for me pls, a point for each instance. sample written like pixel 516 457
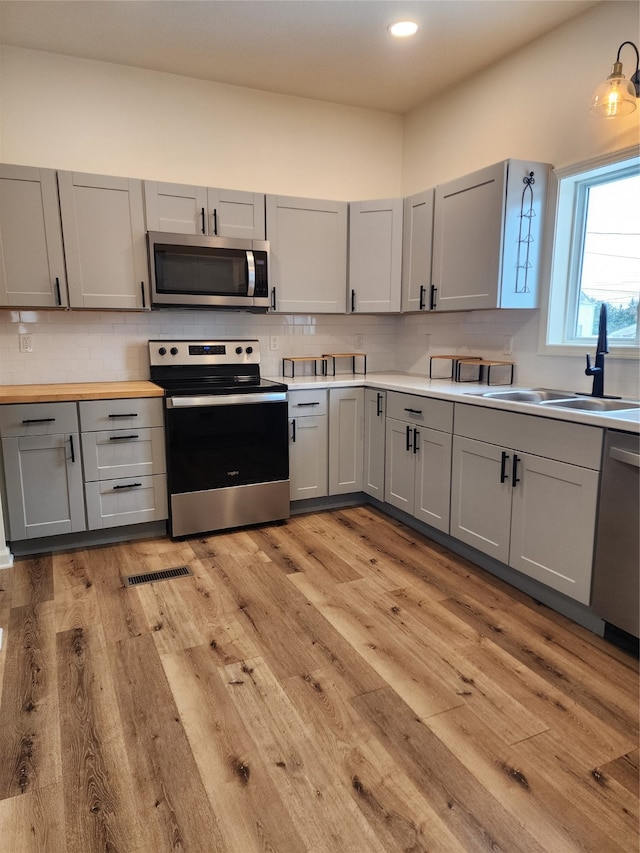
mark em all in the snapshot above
pixel 338 683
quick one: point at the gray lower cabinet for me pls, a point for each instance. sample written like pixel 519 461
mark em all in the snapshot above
pixel 308 444
pixel 124 461
pixel 525 491
pixel 43 469
pixel 346 432
pixel 375 406
pixel 418 457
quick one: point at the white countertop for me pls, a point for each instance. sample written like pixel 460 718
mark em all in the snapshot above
pixel 462 392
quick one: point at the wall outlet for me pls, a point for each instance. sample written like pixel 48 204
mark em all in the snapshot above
pixel 507 349
pixel 359 342
pixel 26 343
pixel 273 342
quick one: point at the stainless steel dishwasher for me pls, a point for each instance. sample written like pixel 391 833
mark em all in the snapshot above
pixel 615 592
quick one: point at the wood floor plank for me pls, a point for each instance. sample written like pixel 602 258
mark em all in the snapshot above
pixel 100 807
pixel 469 810
pixel 121 613
pixel 173 805
pixel 33 822
pixel 626 771
pixel 388 799
pixel 320 806
pixel 32 581
pixel 6 584
pixel 252 815
pixel 29 721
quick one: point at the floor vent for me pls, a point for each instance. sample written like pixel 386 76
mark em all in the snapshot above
pixel 164 575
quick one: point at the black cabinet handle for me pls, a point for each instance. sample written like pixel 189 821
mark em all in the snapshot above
pixel 414 411
pixel 432 297
pixel 415 440
pixel 204 222
pixel 423 292
pixel 273 299
pixel 301 405
pixel 514 474
pixel 128 486
pixel 353 300
pixel 58 296
pixel 293 431
pixel 73 455
pixel 144 299
pixel 38 421
pixel 378 405
pixel 408 438
pixel 503 467
pixel 122 437
pixel 124 415
pixel 215 222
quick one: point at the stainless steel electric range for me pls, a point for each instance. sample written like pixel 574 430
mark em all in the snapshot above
pixel 226 434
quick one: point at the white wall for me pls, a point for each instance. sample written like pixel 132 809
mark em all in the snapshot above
pixel 66 113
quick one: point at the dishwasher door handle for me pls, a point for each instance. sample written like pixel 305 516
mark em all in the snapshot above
pixel 625 456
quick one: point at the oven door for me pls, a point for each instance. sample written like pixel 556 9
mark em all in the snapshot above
pixel 216 442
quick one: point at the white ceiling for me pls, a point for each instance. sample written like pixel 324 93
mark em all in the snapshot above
pixel 329 50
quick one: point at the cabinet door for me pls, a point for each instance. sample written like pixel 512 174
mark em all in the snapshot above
pixel 308 260
pixel 109 455
pixel 44 485
pixel 553 524
pixel 433 477
pixel 480 503
pixel 308 448
pixel 346 433
pixel 32 271
pixel 417 251
pixel 233 213
pixel 399 465
pixel 467 240
pixel 104 239
pixel 374 442
pixel 375 255
pixel 176 208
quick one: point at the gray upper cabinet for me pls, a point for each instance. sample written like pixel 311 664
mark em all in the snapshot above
pixel 105 241
pixel 417 250
pixel 308 254
pixel 184 209
pixel 375 256
pixel 487 238
pixel 32 270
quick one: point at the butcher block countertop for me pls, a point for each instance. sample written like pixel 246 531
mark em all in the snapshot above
pixel 71 391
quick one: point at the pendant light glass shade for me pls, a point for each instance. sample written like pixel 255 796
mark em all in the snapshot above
pixel 617 96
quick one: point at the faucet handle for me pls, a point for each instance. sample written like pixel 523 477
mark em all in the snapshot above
pixel 589 368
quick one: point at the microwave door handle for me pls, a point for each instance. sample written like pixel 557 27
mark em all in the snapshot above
pixel 251 278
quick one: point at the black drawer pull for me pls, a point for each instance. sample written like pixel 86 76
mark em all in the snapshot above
pixel 514 478
pixel 317 403
pixel 73 455
pixel 415 440
pixel 423 291
pixel 122 437
pixel 503 467
pixel 408 438
pixel 293 431
pixel 432 297
pixel 128 486
pixel 414 411
pixel 38 421
pixel 379 398
pixel 203 229
pixel 124 415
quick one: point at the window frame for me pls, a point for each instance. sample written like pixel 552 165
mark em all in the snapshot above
pixel 565 238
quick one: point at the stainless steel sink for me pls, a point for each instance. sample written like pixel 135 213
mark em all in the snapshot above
pixel 530 395
pixel 592 404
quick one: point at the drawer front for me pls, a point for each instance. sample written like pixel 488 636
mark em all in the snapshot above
pixel 123 453
pixel 436 414
pixel 303 403
pixel 98 415
pixel 38 419
pixel 128 501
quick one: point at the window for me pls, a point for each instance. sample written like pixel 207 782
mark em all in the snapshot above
pixel 596 256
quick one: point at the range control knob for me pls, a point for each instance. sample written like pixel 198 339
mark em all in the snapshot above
pixel 174 350
pixel 238 350
pixel 162 351
pixel 249 350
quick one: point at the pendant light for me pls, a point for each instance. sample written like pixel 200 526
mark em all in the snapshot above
pixel 617 96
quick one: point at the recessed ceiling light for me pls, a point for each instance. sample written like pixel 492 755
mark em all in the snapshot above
pixel 402 29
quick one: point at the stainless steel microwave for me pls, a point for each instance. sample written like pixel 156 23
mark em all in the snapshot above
pixel 192 271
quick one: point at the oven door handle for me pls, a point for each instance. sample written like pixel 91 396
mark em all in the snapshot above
pixel 226 400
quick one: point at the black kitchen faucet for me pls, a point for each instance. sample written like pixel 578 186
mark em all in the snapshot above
pixel 602 348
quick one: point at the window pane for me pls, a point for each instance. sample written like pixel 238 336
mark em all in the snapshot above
pixel 611 260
